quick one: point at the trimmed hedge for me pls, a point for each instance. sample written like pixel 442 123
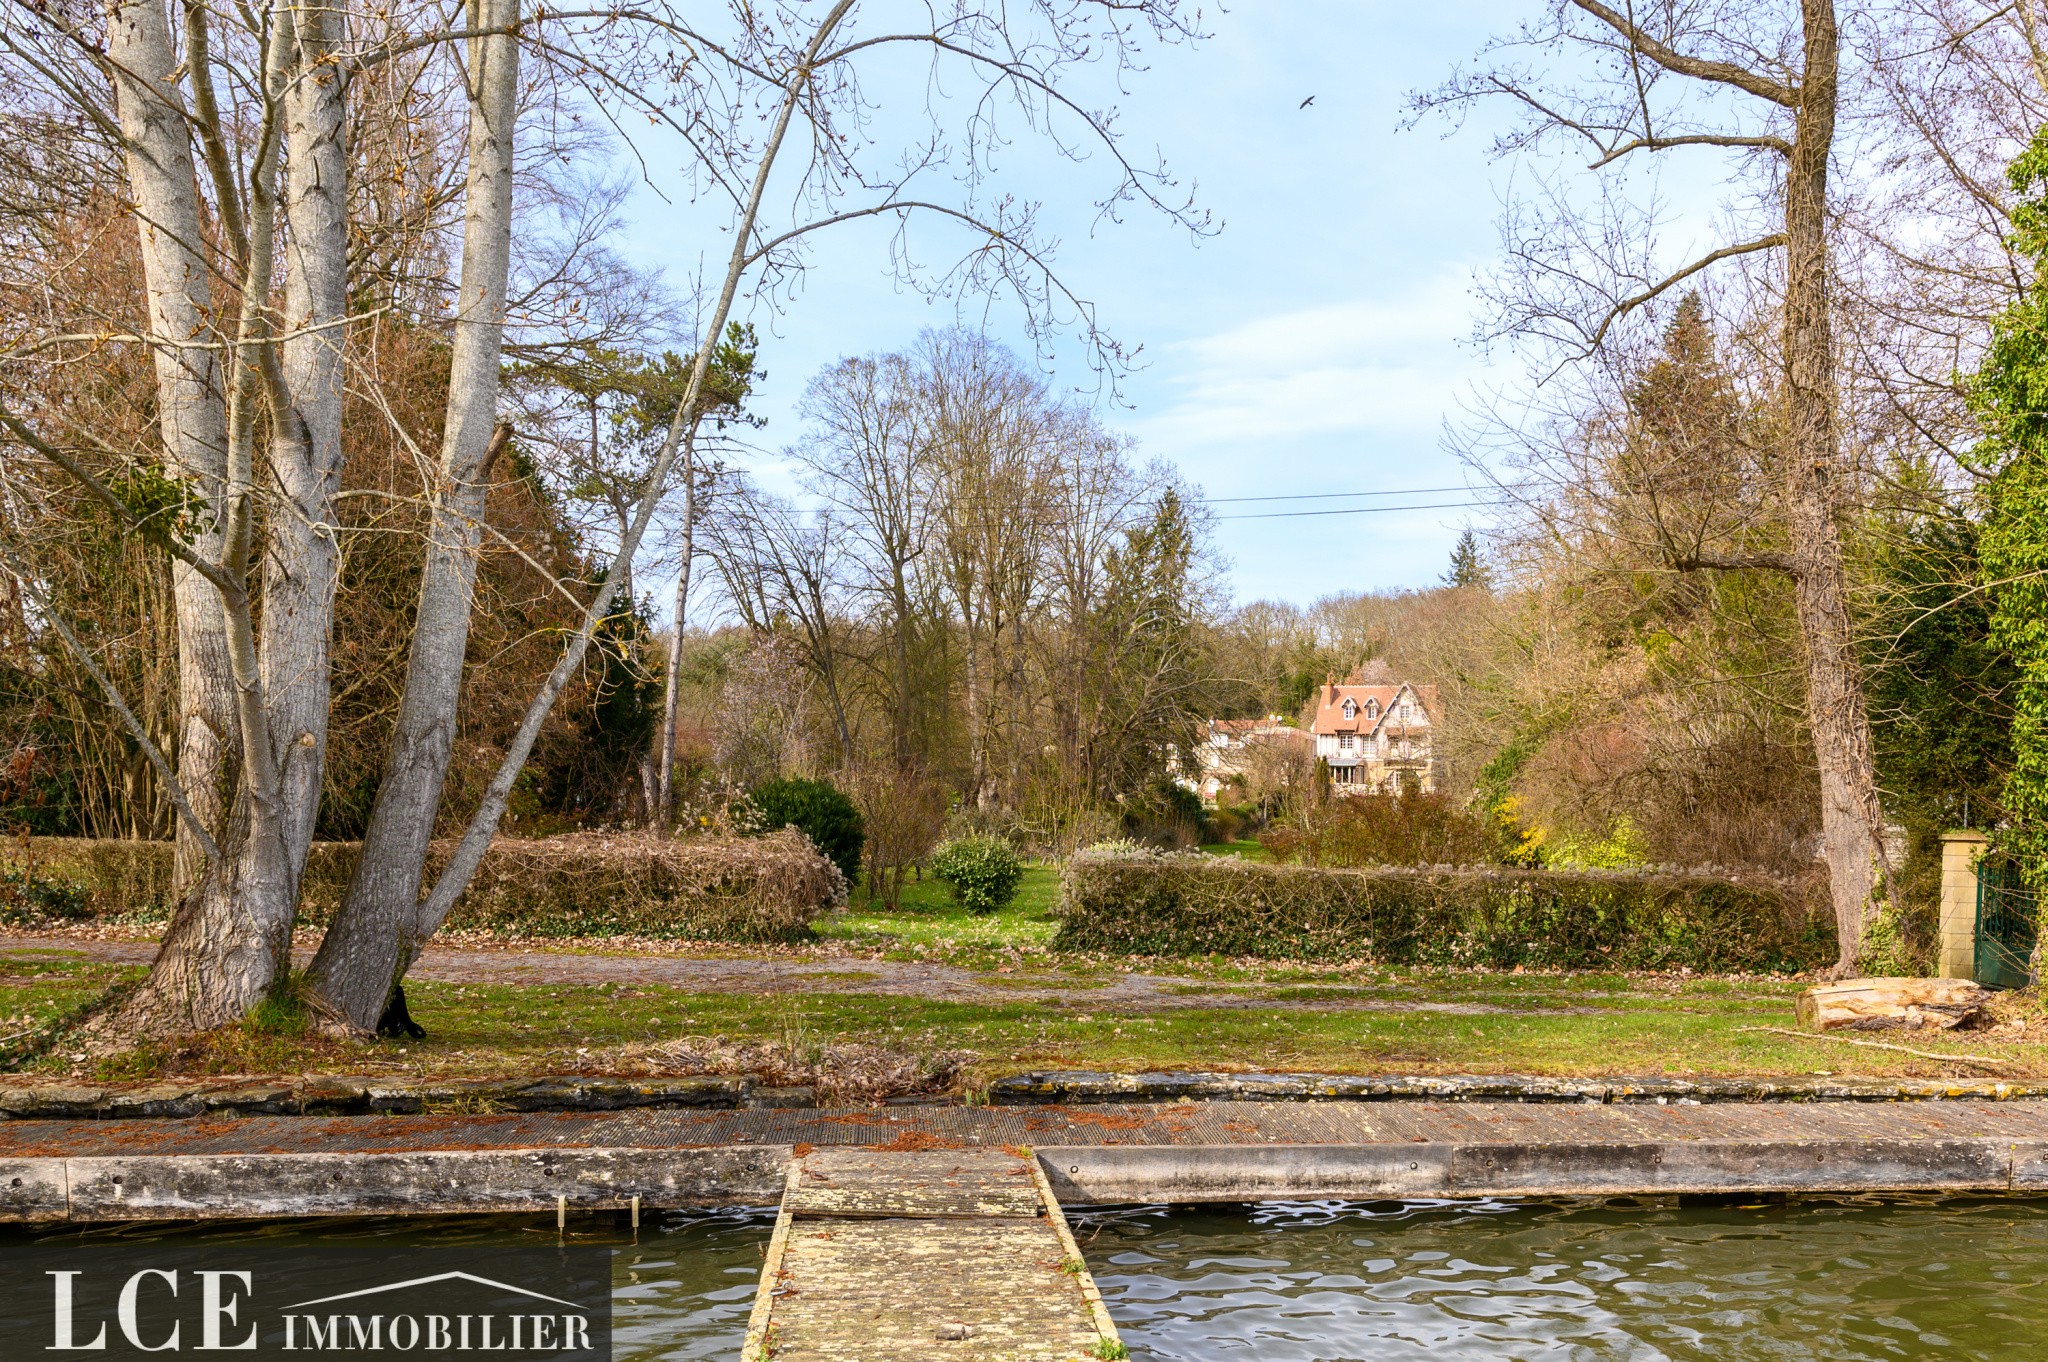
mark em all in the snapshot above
pixel 1191 904
pixel 766 888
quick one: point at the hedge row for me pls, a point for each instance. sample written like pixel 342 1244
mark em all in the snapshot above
pixel 1152 904
pixel 587 884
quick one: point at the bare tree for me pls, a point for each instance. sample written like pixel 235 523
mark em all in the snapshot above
pixel 360 943
pixel 242 210
pixel 872 458
pixel 784 572
pixel 1770 93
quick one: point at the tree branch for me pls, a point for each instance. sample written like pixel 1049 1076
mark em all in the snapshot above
pixel 1762 142
pixel 106 496
pixel 1737 562
pixel 1699 68
pixel 1631 303
pixel 120 705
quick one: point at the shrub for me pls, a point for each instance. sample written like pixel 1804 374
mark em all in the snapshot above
pixel 1165 814
pixel 1410 828
pixel 1223 824
pixel 765 888
pixel 818 810
pixel 28 899
pixel 904 815
pixel 983 872
pixel 1152 904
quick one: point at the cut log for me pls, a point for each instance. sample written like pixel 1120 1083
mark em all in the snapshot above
pixel 1890 1004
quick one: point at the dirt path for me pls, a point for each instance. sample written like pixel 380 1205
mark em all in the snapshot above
pixel 754 975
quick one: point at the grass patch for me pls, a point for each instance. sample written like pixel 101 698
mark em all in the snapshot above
pixel 928 926
pixel 39 987
pixel 1552 1023
pixel 1244 849
pixel 481 1030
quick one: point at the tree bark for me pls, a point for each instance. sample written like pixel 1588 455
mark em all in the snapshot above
pixel 301 555
pixel 230 939
pixel 671 694
pixel 361 958
pixel 1888 1004
pixel 1852 823
pixel 191 405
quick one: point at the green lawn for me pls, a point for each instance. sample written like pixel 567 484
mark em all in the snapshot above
pixel 1287 1016
pixel 928 925
pixel 1558 1025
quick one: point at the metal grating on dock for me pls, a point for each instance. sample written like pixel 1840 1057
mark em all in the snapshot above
pixel 883 1256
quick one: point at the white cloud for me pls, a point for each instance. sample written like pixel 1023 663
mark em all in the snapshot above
pixel 1390 366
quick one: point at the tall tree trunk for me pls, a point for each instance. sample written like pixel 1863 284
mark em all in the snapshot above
pixel 191 406
pixel 974 684
pixel 230 939
pixel 1852 823
pixel 671 694
pixel 899 662
pixel 359 960
pixel 428 915
pixel 301 556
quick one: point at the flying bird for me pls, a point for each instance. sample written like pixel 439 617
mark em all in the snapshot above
pixel 1306 102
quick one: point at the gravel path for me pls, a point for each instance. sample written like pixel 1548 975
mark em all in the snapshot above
pixel 853 974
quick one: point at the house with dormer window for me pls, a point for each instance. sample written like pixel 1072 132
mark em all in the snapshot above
pixel 1374 733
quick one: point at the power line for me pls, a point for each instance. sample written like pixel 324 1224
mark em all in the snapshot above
pixel 1358 510
pixel 1330 496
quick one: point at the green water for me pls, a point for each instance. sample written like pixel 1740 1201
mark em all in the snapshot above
pixel 1577 1282
pixel 1825 1281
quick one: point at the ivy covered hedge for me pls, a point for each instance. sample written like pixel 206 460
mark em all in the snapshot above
pixel 1190 904
pixel 767 888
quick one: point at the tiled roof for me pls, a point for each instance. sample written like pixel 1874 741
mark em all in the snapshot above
pixel 1330 706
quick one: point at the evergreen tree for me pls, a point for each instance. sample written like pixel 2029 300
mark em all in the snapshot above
pixel 2010 396
pixel 1468 568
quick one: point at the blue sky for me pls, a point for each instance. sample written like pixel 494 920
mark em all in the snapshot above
pixel 1316 344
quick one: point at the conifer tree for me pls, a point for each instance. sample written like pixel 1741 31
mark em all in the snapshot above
pixel 2010 395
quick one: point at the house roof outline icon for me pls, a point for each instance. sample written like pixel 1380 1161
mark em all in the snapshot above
pixel 427 1281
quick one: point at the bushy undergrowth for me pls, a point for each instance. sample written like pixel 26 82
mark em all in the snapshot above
pixel 28 898
pixel 1151 904
pixel 766 888
pixel 815 808
pixel 1410 828
pixel 982 872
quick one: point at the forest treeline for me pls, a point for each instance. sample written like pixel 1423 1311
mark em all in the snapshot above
pixel 342 454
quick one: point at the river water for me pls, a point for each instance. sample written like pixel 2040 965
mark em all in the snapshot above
pixel 1825 1281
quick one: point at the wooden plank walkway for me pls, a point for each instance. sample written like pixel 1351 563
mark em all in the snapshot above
pixel 879 1256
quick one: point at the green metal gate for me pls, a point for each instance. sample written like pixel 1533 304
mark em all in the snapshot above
pixel 2006 914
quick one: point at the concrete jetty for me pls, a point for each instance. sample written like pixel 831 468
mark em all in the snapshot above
pixel 879 1256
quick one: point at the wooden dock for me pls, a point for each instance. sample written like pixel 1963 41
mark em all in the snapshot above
pixel 879 1256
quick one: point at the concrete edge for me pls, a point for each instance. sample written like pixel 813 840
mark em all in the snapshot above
pixel 1083 1175
pixel 347 1096
pixel 439 1182
pixel 1084 1086
pixel 536 1181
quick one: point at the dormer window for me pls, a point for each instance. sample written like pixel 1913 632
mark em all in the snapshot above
pixel 1372 709
pixel 1350 709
